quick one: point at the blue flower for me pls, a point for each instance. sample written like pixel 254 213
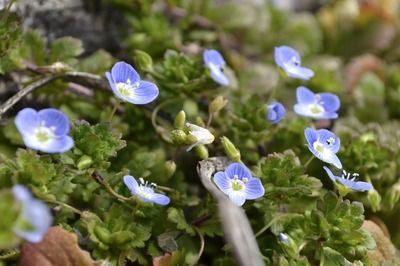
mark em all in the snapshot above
pixel 275 112
pixel 144 191
pixel 35 212
pixel 289 60
pixel 127 86
pixel 324 144
pixel 215 63
pixel 348 180
pixel 283 238
pixel 238 183
pixel 316 105
pixel 45 130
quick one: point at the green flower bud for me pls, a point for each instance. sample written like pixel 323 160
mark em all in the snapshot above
pixel 102 234
pixel 217 104
pixel 180 120
pixel 84 162
pixel 179 136
pixel 374 199
pixel 143 61
pixel 170 168
pixel 201 151
pixel 200 122
pixel 230 149
pixel 393 195
pixel 288 245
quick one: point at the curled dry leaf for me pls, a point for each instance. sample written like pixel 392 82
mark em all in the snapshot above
pixel 58 248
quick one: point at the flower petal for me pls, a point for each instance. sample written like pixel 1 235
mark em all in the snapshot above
pixel 304 95
pixel 55 145
pixel 159 199
pixel 326 137
pixel 254 189
pixel 276 112
pixel 356 185
pixel 330 174
pixel 237 169
pixel 222 181
pixel 284 54
pixel 311 135
pixel 21 193
pixel 218 75
pixel 299 72
pixel 26 120
pixel 237 197
pixel 56 119
pixel 131 183
pixel 330 157
pixel 122 72
pixel 144 94
pixel 330 102
pixel 211 56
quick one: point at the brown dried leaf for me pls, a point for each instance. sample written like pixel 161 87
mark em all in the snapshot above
pixel 164 260
pixel 58 248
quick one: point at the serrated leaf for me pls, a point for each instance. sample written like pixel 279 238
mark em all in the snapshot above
pixel 97 63
pixel 10 210
pixel 331 257
pixel 178 217
pixel 65 50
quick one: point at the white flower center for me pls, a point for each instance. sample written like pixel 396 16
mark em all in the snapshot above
pixel 319 147
pixel 349 176
pixel 316 109
pixel 127 88
pixel 237 184
pixel 145 192
pixel 44 134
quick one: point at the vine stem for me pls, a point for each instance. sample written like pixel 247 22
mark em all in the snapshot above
pixel 65 205
pixel 99 179
pixel 201 250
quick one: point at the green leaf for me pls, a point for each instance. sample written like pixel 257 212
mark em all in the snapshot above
pixel 10 210
pixel 65 50
pixel 331 257
pixel 97 63
pixel 177 216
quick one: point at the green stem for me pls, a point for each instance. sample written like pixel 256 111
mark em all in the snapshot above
pixel 114 193
pixel 195 262
pixel 268 225
pixel 210 117
pixel 114 110
pixel 159 129
pixel 309 161
pixel 65 205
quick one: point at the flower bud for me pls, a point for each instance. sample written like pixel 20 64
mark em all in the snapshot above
pixel 84 162
pixel 180 120
pixel 230 149
pixel 201 151
pixel 143 61
pixel 102 233
pixel 170 168
pixel 393 195
pixel 179 136
pixel 288 245
pixel 374 199
pixel 217 104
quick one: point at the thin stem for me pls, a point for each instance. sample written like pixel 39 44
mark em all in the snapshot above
pixel 274 89
pixel 99 179
pixel 159 129
pixel 309 161
pixel 113 111
pixel 168 189
pixel 268 225
pixel 210 117
pixel 201 247
pixel 65 205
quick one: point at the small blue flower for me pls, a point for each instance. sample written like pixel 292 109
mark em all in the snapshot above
pixel 289 60
pixel 283 238
pixel 275 112
pixel 35 212
pixel 324 144
pixel 144 191
pixel 46 130
pixel 127 86
pixel 316 105
pixel 348 180
pixel 238 183
pixel 216 63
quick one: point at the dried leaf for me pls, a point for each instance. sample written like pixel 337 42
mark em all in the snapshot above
pixel 58 248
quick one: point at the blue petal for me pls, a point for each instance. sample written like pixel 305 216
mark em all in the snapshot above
pixel 237 197
pixel 331 102
pixel 56 145
pixel 327 116
pixel 276 112
pixel 311 135
pixel 122 72
pixel 222 181
pixel 145 93
pixel 284 54
pixel 356 185
pixel 299 72
pixel 254 189
pixel 331 158
pixel 54 118
pixel 21 193
pixel 325 136
pixel 237 169
pixel 160 199
pixel 26 120
pixel 131 183
pixel 304 95
pixel 218 75
pixel 330 174
pixel 213 57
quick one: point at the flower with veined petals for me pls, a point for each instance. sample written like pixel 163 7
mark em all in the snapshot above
pixel 126 84
pixel 289 60
pixel 35 218
pixel 45 130
pixel 238 183
pixel 215 63
pixel 275 112
pixel 324 144
pixel 316 105
pixel 348 180
pixel 145 191
pixel 202 135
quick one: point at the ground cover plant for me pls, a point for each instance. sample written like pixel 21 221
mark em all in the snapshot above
pixel 205 133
